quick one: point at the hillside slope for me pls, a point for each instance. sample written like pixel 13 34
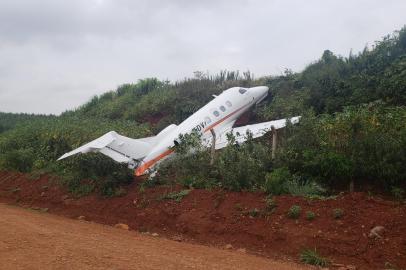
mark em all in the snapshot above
pixel 353 127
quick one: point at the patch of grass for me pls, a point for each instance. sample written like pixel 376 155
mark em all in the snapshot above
pixel 35 174
pixel 310 256
pixel 270 204
pixel 254 212
pixel 219 199
pixel 82 190
pixel 176 196
pixel 294 211
pixel 150 183
pixel 238 207
pixel 142 229
pixel 42 210
pixel 310 215
pixel 338 213
pixel 15 190
pixel 296 188
pixel 120 191
pixel 143 203
pixel 397 193
pixel 389 266
pixel 320 197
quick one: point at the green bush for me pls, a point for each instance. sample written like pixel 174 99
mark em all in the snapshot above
pixel 176 196
pixel 242 166
pixel 281 181
pixel 338 213
pixel 275 182
pixel 254 212
pixel 397 193
pixel 270 204
pixel 294 211
pixel 310 215
pixel 19 159
pixel 364 142
pixel 235 167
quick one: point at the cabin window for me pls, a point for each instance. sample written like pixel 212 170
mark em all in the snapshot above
pixel 242 90
pixel 216 113
pixel 207 120
pixel 228 103
pixel 222 108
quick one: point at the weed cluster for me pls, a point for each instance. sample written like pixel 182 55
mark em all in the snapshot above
pixel 338 213
pixel 310 215
pixel 176 196
pixel 294 212
pixel 310 256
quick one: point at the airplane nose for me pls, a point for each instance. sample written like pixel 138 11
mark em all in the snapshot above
pixel 260 92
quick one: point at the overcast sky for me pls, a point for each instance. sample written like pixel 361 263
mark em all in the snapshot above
pixel 55 55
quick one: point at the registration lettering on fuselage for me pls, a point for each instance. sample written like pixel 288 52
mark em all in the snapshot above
pixel 199 127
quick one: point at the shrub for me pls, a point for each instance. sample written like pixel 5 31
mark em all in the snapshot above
pixel 270 204
pixel 397 193
pixel 304 189
pixel 294 211
pixel 238 207
pixel 177 196
pixel 236 167
pixel 19 159
pixel 254 212
pixel 281 181
pixel 242 166
pixel 310 215
pixel 338 213
pixel 362 142
pixel 275 182
pixel 311 256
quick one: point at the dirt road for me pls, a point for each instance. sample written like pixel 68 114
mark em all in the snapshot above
pixel 33 240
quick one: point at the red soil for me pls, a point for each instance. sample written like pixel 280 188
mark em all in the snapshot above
pixel 219 218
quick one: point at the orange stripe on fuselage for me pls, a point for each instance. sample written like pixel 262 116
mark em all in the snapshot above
pixel 140 170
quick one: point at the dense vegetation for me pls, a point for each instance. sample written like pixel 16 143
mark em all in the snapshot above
pixel 353 129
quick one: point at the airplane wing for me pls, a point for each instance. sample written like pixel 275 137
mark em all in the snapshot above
pixel 120 148
pixel 257 130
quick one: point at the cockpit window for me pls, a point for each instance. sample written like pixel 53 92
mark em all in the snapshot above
pixel 216 113
pixel 207 120
pixel 242 90
pixel 222 108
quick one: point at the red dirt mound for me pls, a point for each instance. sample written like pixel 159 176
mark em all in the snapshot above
pixel 237 218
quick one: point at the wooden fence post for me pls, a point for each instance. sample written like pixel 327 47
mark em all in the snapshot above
pixel 213 146
pixel 274 141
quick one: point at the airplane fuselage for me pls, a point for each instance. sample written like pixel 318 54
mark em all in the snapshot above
pixel 218 115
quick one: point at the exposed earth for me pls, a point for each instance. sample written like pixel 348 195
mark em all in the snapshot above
pixel 238 221
pixel 34 240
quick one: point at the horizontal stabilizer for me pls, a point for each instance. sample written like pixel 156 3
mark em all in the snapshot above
pixel 120 148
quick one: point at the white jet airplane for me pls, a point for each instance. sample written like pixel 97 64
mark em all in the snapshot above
pixel 219 115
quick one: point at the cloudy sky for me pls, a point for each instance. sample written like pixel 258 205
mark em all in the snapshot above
pixel 56 54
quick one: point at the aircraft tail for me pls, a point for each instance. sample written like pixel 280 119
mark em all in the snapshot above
pixel 120 148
